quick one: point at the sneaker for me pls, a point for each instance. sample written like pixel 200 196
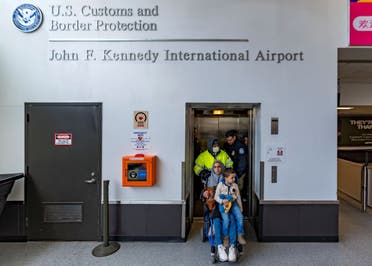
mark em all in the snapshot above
pixel 213 250
pixel 222 253
pixel 232 254
pixel 241 239
pixel 226 241
pixel 239 248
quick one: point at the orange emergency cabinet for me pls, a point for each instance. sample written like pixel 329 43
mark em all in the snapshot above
pixel 139 170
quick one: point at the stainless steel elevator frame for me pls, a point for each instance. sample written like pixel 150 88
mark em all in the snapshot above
pixel 188 182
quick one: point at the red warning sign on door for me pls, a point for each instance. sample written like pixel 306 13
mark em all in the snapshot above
pixel 62 139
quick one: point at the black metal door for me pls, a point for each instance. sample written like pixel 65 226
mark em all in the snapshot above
pixel 63 170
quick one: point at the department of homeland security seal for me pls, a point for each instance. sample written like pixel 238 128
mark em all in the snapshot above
pixel 27 17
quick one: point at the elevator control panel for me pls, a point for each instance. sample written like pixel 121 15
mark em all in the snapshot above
pixel 138 170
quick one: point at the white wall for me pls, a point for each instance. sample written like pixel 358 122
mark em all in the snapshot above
pixel 301 94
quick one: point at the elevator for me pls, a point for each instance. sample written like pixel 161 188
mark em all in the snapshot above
pixel 213 120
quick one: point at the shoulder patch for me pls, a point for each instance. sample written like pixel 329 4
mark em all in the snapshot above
pixel 241 151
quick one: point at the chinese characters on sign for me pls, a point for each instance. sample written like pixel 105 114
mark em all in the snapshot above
pixel 360 22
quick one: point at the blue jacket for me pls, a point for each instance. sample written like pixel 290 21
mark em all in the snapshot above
pixel 238 154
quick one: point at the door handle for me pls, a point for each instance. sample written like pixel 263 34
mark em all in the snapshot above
pixel 90 181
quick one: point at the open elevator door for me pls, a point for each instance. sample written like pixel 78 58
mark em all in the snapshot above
pixel 240 116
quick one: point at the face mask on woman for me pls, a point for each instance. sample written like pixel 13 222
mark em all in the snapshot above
pixel 215 149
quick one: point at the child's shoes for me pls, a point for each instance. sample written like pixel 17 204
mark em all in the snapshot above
pixel 241 239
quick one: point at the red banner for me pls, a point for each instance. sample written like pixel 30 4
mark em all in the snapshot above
pixel 360 22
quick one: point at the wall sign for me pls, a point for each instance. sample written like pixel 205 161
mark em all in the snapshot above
pixel 27 17
pixel 62 139
pixel 355 131
pixel 140 140
pixel 140 119
pixel 360 22
pixel 75 29
pixel 275 153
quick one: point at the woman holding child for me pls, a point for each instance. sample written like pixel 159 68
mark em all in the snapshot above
pixel 229 224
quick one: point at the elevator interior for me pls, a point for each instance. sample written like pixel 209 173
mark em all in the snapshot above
pixel 213 120
pixel 214 124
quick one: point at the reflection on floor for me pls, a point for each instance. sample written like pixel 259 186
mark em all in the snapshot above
pixel 354 248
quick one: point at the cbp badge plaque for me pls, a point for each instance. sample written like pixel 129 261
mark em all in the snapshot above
pixel 27 17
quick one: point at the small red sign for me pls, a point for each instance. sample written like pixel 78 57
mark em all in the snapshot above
pixel 360 23
pixel 62 139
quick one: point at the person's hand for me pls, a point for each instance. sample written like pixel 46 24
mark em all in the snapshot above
pixel 228 197
pixel 227 206
pixel 225 201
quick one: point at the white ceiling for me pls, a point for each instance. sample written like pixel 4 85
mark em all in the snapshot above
pixel 355 65
pixel 355 72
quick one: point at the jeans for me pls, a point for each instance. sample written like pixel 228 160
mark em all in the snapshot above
pixel 228 218
pixel 218 231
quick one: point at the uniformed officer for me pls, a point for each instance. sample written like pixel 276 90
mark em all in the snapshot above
pixel 238 153
pixel 204 162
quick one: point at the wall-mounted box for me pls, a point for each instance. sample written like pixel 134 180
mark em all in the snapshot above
pixel 138 170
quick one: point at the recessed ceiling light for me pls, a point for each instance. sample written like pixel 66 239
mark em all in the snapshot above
pixel 218 112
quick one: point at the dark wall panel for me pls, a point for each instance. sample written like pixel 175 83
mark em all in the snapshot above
pixel 164 220
pixel 145 222
pixel 12 222
pixel 283 226
pixel 320 220
pixel 297 222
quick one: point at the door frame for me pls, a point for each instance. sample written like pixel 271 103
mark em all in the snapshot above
pixel 98 235
pixel 188 182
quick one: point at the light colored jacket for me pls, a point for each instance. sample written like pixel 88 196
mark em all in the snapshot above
pixel 232 190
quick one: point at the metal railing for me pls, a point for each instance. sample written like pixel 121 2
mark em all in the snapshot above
pixel 364 186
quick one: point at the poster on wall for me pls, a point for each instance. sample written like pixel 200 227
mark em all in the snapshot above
pixel 360 22
pixel 140 119
pixel 355 131
pixel 140 140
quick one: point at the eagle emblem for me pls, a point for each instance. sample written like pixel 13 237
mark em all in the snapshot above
pixel 27 17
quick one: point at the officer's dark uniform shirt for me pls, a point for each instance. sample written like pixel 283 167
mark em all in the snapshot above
pixel 237 152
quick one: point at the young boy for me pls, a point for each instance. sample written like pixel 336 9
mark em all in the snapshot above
pixel 228 196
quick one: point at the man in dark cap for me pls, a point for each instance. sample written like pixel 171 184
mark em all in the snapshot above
pixel 238 153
